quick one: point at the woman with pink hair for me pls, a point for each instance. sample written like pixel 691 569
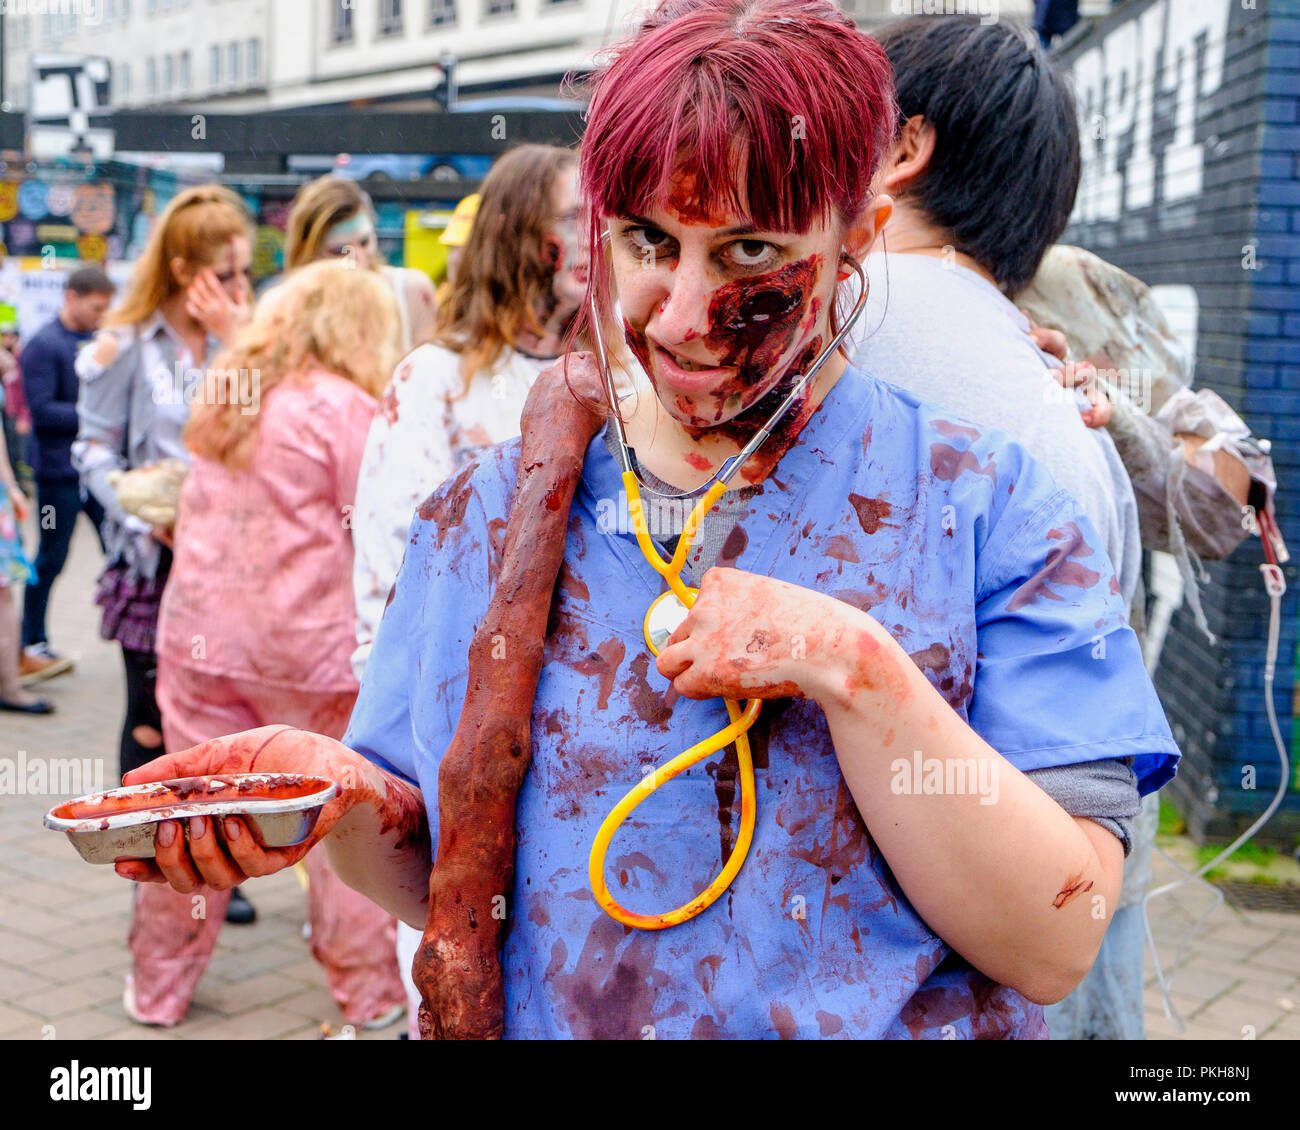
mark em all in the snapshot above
pixel 907 595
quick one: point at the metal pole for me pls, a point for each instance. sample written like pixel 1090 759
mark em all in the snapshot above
pixel 4 93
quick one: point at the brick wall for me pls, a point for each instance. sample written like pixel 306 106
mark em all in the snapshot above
pixel 1190 112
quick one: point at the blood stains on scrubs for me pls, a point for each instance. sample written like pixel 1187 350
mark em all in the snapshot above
pixel 1059 569
pixel 871 512
pixel 446 506
pixel 653 708
pixel 611 995
pixel 603 663
pixel 949 429
pixel 947 463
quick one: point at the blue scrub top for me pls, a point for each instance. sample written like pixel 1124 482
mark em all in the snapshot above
pixel 957 542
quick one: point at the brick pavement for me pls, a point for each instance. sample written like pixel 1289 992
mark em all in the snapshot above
pixel 63 923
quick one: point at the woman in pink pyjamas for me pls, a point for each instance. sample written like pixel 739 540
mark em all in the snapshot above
pixel 257 623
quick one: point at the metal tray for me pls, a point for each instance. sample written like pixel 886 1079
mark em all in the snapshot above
pixel 121 823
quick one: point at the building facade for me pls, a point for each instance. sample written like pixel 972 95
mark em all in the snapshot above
pixel 250 55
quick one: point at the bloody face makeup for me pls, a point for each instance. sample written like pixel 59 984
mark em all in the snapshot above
pixel 751 333
pixel 564 257
pixel 725 319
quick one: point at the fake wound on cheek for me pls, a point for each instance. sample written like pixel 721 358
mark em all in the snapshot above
pixel 752 322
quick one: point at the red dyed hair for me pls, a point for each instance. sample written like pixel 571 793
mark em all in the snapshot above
pixel 779 109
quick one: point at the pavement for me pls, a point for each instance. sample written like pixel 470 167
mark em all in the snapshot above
pixel 64 923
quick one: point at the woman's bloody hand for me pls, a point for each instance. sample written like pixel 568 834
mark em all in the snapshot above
pixel 221 852
pixel 749 636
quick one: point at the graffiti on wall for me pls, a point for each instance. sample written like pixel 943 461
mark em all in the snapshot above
pixel 1139 88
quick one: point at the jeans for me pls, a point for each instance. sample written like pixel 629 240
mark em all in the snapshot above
pixel 57 507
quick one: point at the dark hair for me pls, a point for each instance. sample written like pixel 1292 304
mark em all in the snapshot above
pixel 1006 160
pixel 90 280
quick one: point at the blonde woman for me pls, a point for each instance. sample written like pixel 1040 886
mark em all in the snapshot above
pixel 189 293
pixel 333 218
pixel 257 622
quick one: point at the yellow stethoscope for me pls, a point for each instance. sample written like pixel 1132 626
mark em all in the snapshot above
pixel 667 611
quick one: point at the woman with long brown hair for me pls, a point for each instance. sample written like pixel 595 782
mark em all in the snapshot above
pixel 257 623
pixel 513 298
pixel 334 218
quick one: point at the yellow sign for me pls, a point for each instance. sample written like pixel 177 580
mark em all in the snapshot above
pixel 267 251
pixel 423 251
pixel 8 200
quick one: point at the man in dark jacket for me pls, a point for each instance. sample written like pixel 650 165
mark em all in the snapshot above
pixel 51 385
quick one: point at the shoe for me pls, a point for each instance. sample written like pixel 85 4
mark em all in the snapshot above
pixel 128 1006
pixel 40 706
pixel 240 912
pixel 38 662
pixel 385 1019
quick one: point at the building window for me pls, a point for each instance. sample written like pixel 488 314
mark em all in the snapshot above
pixel 254 60
pixel 442 12
pixel 167 74
pixel 232 64
pixel 341 29
pixel 390 17
pixel 214 66
pixel 185 72
pixel 497 8
pixel 124 82
pixel 151 78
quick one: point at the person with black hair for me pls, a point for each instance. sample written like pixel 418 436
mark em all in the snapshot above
pixel 51 385
pixel 983 172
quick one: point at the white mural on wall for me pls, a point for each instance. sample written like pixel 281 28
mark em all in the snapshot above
pixel 1117 85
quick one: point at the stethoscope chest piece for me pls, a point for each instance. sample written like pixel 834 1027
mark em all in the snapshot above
pixel 663 618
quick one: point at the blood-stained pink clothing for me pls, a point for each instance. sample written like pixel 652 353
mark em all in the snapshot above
pixel 257 626
pixel 173 935
pixel 261 585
